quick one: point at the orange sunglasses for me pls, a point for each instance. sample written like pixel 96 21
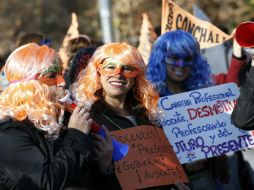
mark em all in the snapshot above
pixel 111 69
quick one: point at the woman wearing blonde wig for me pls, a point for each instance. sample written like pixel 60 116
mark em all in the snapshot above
pixel 114 81
pixel 37 150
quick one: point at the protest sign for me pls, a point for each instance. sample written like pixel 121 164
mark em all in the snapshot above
pixel 198 125
pixel 150 161
pixel 175 18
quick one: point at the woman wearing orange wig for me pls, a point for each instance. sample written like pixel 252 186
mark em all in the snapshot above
pixel 114 81
pixel 37 150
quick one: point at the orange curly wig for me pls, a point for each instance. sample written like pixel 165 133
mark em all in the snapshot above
pixel 26 97
pixel 88 84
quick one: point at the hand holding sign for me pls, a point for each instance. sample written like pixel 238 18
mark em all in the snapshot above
pixel 203 128
pixel 120 150
pixel 103 149
pixel 150 161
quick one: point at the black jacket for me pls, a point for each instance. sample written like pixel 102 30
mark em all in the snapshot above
pixel 243 113
pixel 29 161
pixel 104 115
pixel 100 112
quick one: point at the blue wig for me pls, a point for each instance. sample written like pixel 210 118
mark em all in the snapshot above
pixel 181 44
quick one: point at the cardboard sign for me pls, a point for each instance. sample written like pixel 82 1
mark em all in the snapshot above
pixel 175 18
pixel 150 161
pixel 198 125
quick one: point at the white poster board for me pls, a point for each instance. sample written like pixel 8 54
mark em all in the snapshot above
pixel 198 125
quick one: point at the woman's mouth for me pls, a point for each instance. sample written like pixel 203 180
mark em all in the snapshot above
pixel 179 73
pixel 118 84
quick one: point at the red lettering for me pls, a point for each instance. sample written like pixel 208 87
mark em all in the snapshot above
pixel 206 112
pixel 215 109
pixel 190 111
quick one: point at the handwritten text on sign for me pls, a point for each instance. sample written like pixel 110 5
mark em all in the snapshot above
pixel 175 18
pixel 150 161
pixel 198 125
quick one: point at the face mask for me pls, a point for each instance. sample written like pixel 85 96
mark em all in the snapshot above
pixel 51 76
pixel 111 69
pixel 179 62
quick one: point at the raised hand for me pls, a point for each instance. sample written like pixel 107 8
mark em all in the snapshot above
pixel 80 119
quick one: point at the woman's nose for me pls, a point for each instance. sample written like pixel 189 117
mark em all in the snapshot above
pixel 180 63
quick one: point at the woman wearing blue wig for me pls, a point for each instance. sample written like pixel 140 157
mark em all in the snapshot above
pixel 175 66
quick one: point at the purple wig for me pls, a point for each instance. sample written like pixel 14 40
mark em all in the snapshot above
pixel 181 44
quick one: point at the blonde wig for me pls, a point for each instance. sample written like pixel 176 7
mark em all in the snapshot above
pixel 88 87
pixel 25 97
